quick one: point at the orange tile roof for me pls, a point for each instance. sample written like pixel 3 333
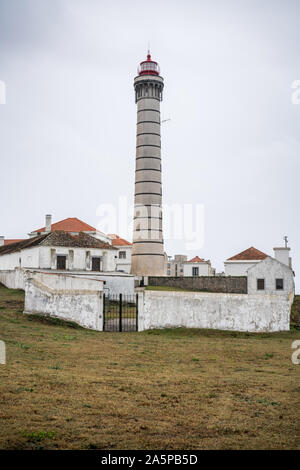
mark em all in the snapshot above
pixel 9 241
pixel 197 260
pixel 249 254
pixel 118 241
pixel 72 224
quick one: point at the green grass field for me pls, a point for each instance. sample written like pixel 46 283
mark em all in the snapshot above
pixel 64 387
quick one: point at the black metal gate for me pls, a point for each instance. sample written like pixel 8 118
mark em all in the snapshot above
pixel 120 312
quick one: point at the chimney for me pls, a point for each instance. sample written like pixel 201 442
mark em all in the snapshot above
pixel 282 254
pixel 1 241
pixel 48 223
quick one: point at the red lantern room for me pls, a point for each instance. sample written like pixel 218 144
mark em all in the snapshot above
pixel 149 67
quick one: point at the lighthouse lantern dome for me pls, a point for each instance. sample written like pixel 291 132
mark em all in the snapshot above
pixel 149 67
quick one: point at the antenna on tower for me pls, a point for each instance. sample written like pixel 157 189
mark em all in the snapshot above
pixel 148 54
pixel 285 240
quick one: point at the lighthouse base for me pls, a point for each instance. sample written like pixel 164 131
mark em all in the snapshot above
pixel 148 265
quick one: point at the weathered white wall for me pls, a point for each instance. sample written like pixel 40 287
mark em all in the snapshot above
pixel 238 268
pixel 109 261
pixel 13 279
pixel 118 283
pixel 39 257
pixel 237 312
pixel 124 264
pixel 28 258
pixel 25 258
pixel 81 261
pixel 115 283
pixel 11 261
pixel 204 269
pixel 282 254
pixel 67 297
pixel 270 269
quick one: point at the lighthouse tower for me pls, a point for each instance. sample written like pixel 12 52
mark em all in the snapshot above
pixel 148 247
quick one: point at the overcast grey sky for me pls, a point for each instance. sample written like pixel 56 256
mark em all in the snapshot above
pixel 67 130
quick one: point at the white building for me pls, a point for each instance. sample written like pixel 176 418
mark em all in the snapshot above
pixel 123 256
pixel 266 307
pixel 74 227
pixel 59 250
pixel 272 277
pixel 174 267
pixel 197 267
pixel 239 264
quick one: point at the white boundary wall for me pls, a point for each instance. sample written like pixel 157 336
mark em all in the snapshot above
pixel 235 312
pixel 115 283
pixel 13 279
pixel 67 297
pixel 118 283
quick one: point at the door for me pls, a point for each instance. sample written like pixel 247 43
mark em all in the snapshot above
pixel 61 262
pixel 195 271
pixel 96 263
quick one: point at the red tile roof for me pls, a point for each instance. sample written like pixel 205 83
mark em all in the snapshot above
pixel 249 254
pixel 197 260
pixel 11 240
pixel 72 224
pixel 118 241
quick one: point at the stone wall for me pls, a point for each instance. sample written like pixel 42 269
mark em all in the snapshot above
pixel 229 285
pixel 234 312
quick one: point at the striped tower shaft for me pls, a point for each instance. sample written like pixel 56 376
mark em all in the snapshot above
pixel 148 247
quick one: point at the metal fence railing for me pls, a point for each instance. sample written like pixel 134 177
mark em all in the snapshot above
pixel 120 312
